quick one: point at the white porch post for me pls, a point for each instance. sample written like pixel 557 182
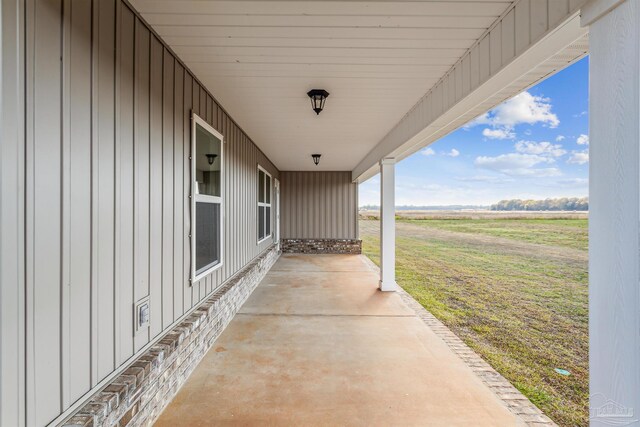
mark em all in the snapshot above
pixel 387 225
pixel 614 211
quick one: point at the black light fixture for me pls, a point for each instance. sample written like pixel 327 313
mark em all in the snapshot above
pixel 211 158
pixel 318 96
pixel 316 158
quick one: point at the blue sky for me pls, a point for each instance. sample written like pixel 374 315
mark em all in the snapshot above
pixel 533 146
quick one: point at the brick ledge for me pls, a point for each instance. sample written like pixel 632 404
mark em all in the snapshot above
pixel 138 395
pixel 321 246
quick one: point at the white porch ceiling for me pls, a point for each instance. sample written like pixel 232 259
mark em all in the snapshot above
pixel 376 58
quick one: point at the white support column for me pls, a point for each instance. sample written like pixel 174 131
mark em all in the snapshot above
pixel 614 211
pixel 387 225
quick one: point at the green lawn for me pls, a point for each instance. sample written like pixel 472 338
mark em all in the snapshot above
pixel 514 290
pixel 571 233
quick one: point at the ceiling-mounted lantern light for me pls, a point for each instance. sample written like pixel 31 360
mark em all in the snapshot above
pixel 211 158
pixel 318 96
pixel 316 158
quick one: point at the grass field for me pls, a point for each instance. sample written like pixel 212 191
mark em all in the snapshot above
pixel 515 290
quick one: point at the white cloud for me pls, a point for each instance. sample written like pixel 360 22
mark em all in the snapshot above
pixel 582 139
pixel 518 164
pixel 524 108
pixel 484 178
pixel 579 157
pixel 543 148
pixel 501 133
pixel 580 114
pixel 559 138
pixel 574 182
pixel 374 180
pixel 431 152
pixel 511 160
pixel 413 191
pixel 528 160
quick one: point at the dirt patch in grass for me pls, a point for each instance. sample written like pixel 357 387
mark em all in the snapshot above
pixel 477 214
pixel 521 304
pixel 551 234
pixel 489 238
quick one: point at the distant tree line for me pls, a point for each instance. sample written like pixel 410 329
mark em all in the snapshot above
pixel 426 208
pixel 561 204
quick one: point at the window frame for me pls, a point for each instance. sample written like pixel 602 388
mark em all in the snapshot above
pixel 197 120
pixel 264 204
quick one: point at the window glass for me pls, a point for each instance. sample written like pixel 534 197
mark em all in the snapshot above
pixel 207 235
pixel 208 162
pixel 261 228
pixel 267 189
pixel 264 204
pixel 268 221
pixel 260 186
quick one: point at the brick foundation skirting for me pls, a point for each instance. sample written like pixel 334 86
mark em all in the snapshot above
pixel 321 246
pixel 138 395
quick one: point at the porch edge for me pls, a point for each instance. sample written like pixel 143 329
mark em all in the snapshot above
pixel 511 397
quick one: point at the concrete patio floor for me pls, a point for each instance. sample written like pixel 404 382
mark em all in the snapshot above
pixel 317 344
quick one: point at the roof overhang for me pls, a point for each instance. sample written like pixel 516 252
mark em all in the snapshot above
pixel 401 74
pixel 444 109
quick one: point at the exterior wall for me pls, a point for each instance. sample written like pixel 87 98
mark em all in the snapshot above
pixel 12 149
pixel 318 205
pixel 139 394
pixel 106 185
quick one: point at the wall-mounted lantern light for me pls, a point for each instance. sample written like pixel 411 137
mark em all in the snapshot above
pixel 316 158
pixel 211 158
pixel 318 96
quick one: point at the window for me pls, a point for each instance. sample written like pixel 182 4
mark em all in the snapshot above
pixel 206 198
pixel 264 204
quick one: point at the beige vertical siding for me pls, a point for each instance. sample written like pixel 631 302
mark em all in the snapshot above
pixel 318 205
pixel 12 226
pixel 107 212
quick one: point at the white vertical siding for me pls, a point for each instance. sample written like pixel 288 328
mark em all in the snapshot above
pixel 107 198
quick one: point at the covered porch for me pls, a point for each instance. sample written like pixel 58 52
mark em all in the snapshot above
pixel 318 344
pixel 102 275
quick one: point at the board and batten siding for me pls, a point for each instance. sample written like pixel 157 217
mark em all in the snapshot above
pixel 12 226
pixel 107 208
pixel 318 205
